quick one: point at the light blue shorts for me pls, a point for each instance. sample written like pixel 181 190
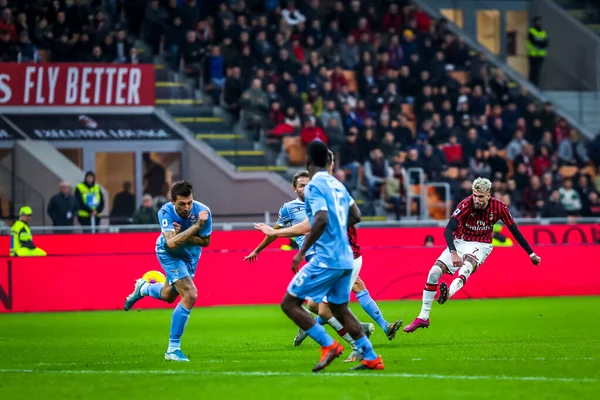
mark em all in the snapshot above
pixel 314 282
pixel 175 268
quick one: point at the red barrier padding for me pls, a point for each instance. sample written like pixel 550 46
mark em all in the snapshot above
pixel 72 283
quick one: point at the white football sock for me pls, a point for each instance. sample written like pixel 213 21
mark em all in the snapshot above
pixel 339 328
pixel 429 292
pixel 463 274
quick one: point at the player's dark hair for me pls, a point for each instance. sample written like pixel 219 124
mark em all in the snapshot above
pixel 181 189
pixel 330 157
pixel 317 153
pixel 298 175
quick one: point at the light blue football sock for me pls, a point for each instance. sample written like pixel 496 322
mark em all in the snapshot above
pixel 366 348
pixel 370 307
pixel 320 320
pixel 178 322
pixel 153 290
pixel 320 335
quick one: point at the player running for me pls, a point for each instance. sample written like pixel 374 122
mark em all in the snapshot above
pixel 469 237
pixel 359 288
pixel 328 273
pixel 186 226
pixel 290 214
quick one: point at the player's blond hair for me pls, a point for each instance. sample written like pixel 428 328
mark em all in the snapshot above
pixel 482 185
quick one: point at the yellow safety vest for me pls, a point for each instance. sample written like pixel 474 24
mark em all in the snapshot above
pixel 532 50
pixel 20 236
pixel 90 197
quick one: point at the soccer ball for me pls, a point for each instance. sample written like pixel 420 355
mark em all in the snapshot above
pixel 154 277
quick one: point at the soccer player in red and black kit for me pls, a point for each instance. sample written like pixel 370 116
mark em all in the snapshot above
pixel 469 237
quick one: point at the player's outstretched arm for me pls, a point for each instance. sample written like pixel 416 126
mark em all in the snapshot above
pixel 449 237
pixel 514 229
pixel 268 239
pixel 300 229
pixel 201 241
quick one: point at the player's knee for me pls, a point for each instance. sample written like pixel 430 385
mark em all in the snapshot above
pixel 325 311
pixel 435 273
pixel 472 261
pixel 190 295
pixel 359 285
pixel 313 307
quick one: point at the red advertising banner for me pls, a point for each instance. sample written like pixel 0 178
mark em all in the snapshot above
pixel 101 85
pixel 40 284
pixel 140 243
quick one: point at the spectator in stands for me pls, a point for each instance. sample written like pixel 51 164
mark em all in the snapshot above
pixel 594 150
pixel 82 48
pixel 533 197
pixel 470 145
pixel 163 197
pixel 90 200
pixel 394 189
pixel 547 141
pixel 389 147
pixel 123 48
pixel 335 135
pixel 175 36
pixel 554 208
pixel 571 151
pixel 8 51
pixel 311 132
pixel 453 151
pixel 497 163
pixel 515 146
pixel 592 207
pixel 193 56
pixel 154 21
pixel 512 208
pixel 215 73
pixel 78 16
pixel 255 104
pixel 392 20
pixel 479 165
pixel 548 184
pixel 543 162
pixel 7 24
pixel 376 172
pixel 291 15
pixel 547 117
pixel 537 44
pixel 234 87
pixel 62 207
pixel 146 214
pixel 349 156
pixel 123 205
pixel 570 198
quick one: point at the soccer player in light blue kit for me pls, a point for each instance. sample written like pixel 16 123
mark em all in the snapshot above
pixel 328 272
pixel 186 226
pixel 290 214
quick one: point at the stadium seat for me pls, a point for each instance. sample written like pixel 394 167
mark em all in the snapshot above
pixel 461 76
pixel 295 150
pixel 589 170
pixel 452 172
pixel 568 171
pixel 351 76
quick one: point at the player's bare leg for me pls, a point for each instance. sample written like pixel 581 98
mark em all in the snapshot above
pixel 189 294
pixel 330 348
pixel 370 306
pixel 370 359
pixel 435 273
pixel 469 266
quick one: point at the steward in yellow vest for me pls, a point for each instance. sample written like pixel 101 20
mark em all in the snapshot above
pixel 537 45
pixel 90 200
pixel 21 241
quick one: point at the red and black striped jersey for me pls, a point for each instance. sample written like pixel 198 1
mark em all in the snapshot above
pixel 477 225
pixel 353 239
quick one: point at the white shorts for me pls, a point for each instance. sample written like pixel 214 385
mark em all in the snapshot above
pixel 356 266
pixel 479 251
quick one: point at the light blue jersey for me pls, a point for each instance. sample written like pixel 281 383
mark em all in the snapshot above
pixel 292 213
pixel 328 274
pixel 326 193
pixel 181 262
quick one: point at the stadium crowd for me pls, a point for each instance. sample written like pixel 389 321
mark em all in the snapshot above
pixel 385 86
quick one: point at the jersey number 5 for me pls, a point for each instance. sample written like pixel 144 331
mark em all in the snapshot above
pixel 338 196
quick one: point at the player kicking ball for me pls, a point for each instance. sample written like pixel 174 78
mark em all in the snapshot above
pixel 290 214
pixel 469 237
pixel 186 226
pixel 328 273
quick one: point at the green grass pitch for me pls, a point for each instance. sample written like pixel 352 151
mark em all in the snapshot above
pixel 486 349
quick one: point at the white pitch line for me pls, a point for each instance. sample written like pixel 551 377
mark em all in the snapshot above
pixel 305 374
pixel 514 359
